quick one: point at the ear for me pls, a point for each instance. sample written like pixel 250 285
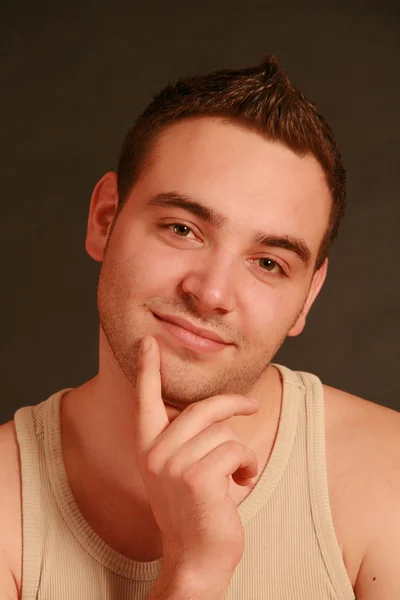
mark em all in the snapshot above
pixel 103 208
pixel 315 287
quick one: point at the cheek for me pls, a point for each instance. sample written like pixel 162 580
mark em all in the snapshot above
pixel 273 311
pixel 151 270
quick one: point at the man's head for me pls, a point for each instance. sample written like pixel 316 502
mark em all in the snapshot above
pixel 224 224
pixel 262 99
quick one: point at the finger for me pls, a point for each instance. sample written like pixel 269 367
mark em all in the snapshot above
pixel 150 415
pixel 201 415
pixel 202 444
pixel 229 459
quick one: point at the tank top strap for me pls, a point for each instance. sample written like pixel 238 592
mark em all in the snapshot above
pixel 318 485
pixel 292 400
pixel 32 507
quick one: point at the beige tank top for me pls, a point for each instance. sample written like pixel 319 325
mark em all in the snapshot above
pixel 291 550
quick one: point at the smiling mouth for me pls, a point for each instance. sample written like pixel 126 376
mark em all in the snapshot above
pixel 188 338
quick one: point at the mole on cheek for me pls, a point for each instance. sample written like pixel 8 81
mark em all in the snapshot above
pixel 373 579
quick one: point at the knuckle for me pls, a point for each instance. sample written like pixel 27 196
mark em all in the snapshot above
pixel 238 398
pixel 250 453
pixel 233 446
pixel 191 407
pixel 192 477
pixel 225 431
pixel 173 468
pixel 153 462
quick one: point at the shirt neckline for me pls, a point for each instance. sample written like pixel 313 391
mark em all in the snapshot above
pixel 150 570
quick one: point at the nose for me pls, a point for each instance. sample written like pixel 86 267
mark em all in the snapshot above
pixel 211 285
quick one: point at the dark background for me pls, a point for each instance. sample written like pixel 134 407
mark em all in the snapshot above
pixel 74 78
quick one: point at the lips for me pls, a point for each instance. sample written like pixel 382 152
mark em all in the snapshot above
pixel 200 331
pixel 184 333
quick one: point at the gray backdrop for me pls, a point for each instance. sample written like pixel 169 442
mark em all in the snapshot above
pixel 73 79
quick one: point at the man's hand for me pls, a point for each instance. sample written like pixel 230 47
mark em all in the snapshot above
pixel 185 466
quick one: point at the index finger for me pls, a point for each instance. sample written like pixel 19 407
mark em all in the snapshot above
pixel 150 415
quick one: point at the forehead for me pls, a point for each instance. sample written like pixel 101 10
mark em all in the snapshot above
pixel 256 183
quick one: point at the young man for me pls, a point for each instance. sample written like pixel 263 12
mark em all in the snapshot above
pixel 161 477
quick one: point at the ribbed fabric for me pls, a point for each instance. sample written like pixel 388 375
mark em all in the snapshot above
pixel 291 550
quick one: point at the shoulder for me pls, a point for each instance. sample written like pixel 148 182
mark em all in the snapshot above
pixel 370 429
pixel 10 503
pixel 363 457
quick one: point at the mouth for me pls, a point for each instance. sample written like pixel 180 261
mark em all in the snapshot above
pixel 190 336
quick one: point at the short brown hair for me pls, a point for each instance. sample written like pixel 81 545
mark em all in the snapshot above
pixel 263 99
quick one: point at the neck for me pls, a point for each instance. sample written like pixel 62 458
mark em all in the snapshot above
pixel 99 454
pixel 97 422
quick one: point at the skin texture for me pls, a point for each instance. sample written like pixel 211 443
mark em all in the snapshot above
pixel 218 276
pixel 186 466
pixel 215 277
pixel 212 277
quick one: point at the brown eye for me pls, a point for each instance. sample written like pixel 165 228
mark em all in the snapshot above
pixel 268 264
pixel 181 230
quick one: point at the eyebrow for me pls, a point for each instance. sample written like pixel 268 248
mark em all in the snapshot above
pixel 208 214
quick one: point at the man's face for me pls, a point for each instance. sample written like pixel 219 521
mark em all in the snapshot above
pixel 212 268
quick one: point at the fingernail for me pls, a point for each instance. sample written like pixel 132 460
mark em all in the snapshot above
pixel 254 399
pixel 146 344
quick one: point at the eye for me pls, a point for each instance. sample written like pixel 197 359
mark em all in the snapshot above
pixel 179 229
pixel 269 265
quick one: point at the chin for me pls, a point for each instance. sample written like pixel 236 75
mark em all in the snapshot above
pixel 184 384
pixel 180 396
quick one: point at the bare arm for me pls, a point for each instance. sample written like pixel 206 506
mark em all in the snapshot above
pixel 379 575
pixel 10 514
